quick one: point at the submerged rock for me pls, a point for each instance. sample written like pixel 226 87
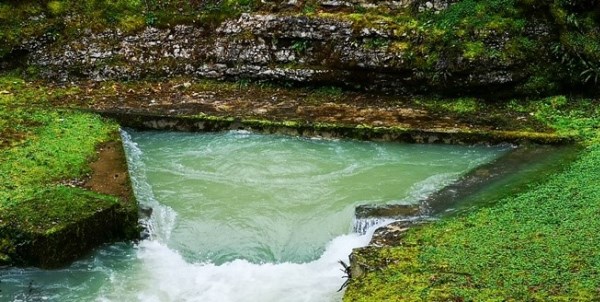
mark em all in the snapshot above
pixel 387 211
pixel 145 212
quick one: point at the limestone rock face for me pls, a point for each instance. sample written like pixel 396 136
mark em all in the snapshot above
pixel 281 48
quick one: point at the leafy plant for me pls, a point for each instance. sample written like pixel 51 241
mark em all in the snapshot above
pixel 300 46
pixel 591 71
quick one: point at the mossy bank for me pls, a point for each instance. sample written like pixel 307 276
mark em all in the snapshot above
pixel 53 206
pixel 537 245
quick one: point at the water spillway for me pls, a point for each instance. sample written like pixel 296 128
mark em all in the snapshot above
pixel 246 217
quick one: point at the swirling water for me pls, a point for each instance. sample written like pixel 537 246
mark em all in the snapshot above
pixel 246 217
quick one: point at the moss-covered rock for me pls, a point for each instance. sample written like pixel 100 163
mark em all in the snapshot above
pixel 64 187
pixel 62 224
pixel 57 224
pixel 498 48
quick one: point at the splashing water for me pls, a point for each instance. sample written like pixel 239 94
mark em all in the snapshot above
pixel 246 217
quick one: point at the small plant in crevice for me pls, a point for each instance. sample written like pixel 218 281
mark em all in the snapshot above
pixel 376 43
pixel 359 9
pixel 150 19
pixel 300 47
pixel 441 76
pixel 310 7
pixel 243 83
pixel 331 91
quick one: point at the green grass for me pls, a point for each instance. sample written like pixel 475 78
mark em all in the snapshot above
pixel 58 146
pixel 539 245
pixel 44 146
pixel 42 149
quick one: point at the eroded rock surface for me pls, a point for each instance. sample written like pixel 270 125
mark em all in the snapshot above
pixel 285 49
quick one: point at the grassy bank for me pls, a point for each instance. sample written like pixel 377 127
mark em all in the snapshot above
pixel 538 245
pixel 44 157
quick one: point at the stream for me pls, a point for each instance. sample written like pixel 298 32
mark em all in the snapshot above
pixel 239 216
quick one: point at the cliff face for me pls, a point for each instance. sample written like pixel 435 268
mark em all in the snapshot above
pixel 286 49
pixel 491 47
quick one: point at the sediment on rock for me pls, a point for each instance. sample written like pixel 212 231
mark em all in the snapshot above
pixel 387 236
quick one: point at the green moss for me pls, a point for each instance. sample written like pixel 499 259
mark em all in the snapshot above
pixel 458 106
pixel 539 83
pixel 212 118
pixel 56 8
pixel 131 24
pixel 59 147
pixel 579 118
pixel 45 148
pixel 328 92
pixel 538 245
pixel 53 208
pixel 474 50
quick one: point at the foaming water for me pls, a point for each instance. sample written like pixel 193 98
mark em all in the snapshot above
pixel 274 199
pixel 169 277
pixel 246 217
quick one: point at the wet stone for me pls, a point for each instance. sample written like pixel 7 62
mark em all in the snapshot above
pixel 387 211
pixel 393 233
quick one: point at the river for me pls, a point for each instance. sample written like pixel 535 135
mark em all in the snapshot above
pixel 239 216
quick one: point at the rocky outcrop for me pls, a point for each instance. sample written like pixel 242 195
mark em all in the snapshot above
pixel 391 235
pixel 287 49
pixel 439 136
pixel 418 5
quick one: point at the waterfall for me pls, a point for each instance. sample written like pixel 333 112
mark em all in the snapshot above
pixel 204 228
pixel 162 221
pixel 164 275
pixel 364 225
pixel 164 270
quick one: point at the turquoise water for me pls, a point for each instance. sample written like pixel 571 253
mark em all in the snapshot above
pixel 246 217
